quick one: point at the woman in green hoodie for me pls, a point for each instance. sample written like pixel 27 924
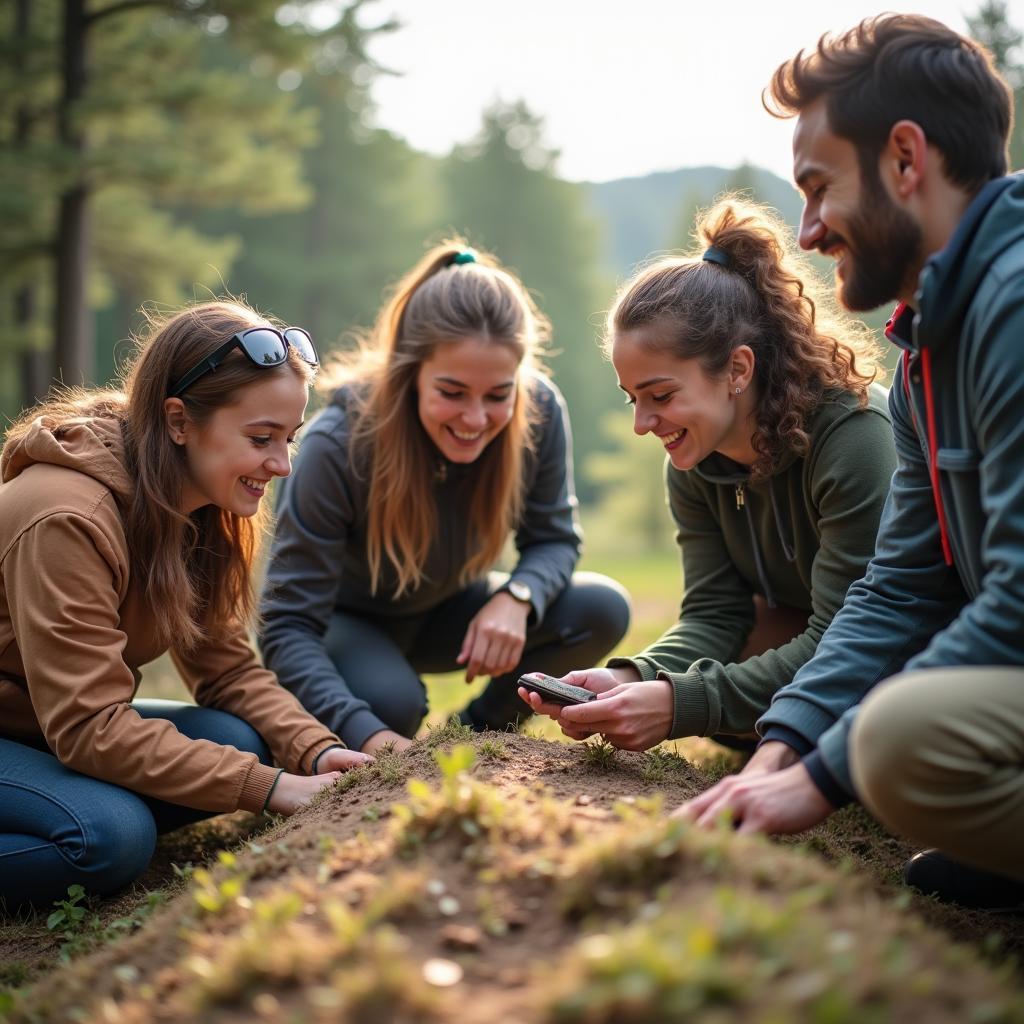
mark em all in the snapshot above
pixel 780 455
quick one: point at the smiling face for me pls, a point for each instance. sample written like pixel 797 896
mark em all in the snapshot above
pixel 850 217
pixel 466 394
pixel 243 446
pixel 691 413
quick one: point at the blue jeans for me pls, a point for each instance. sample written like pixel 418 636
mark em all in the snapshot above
pixel 59 827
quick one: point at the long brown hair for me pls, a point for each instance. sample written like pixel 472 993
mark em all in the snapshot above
pixel 445 297
pixel 766 297
pixel 195 570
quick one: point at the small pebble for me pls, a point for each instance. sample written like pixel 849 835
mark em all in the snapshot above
pixel 464 937
pixel 449 906
pixel 442 973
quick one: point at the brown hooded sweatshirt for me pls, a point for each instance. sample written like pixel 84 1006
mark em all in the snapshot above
pixel 75 628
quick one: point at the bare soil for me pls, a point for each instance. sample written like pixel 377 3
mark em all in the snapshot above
pixel 542 882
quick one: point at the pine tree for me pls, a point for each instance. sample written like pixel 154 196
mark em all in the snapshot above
pixel 114 118
pixel 991 27
pixel 503 193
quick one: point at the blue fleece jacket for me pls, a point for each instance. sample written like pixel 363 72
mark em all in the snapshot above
pixel 963 371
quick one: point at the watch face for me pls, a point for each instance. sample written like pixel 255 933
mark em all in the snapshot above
pixel 520 591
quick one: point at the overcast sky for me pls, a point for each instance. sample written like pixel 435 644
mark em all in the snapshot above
pixel 624 88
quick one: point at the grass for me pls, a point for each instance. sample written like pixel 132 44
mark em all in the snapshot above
pixel 598 755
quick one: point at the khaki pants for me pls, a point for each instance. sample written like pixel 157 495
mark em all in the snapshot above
pixel 938 756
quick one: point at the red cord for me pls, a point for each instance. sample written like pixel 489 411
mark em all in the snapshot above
pixel 933 451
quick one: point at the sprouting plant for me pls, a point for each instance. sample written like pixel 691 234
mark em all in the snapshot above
pixel 599 755
pixel 451 731
pixel 655 765
pixel 82 929
pixel 455 762
pixel 70 913
pixel 389 765
pixel 493 750
pixel 213 895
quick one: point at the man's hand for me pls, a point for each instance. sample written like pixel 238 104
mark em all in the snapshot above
pixel 761 801
pixel 382 739
pixel 771 756
pixel 495 638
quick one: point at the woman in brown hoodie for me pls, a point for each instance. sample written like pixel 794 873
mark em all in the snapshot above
pixel 128 525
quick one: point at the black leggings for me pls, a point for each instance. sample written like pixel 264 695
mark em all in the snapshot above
pixel 381 659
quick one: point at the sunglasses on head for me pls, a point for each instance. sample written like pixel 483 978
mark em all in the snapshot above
pixel 264 346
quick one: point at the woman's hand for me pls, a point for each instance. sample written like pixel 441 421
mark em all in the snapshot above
pixel 383 738
pixel 338 759
pixel 294 791
pixel 597 680
pixel 632 714
pixel 494 640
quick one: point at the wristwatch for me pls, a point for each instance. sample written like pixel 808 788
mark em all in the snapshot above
pixel 520 591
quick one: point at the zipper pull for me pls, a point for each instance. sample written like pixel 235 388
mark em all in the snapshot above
pixel 740 497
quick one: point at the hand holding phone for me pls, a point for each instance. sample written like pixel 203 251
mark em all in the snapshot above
pixel 554 691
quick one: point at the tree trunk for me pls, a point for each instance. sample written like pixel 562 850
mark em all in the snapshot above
pixel 74 354
pixel 33 374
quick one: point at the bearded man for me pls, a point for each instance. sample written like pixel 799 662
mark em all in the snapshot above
pixel 914 700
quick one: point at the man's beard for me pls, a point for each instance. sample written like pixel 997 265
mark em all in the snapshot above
pixel 883 249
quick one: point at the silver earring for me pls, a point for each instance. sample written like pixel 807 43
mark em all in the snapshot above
pixel 738 390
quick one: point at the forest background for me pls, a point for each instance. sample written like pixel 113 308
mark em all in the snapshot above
pixel 160 151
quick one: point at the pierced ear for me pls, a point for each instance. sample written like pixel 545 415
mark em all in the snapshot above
pixel 176 419
pixel 741 368
pixel 904 157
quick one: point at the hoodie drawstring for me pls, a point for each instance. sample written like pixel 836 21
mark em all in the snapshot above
pixel 933 445
pixel 758 561
pixel 787 547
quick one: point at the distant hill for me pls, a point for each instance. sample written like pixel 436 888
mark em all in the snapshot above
pixel 643 215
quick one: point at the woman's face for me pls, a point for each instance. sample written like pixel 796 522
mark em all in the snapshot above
pixel 690 413
pixel 466 394
pixel 243 446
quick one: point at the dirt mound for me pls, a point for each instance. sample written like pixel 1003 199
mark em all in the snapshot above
pixel 508 878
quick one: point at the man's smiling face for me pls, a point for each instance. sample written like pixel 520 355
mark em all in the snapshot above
pixel 850 216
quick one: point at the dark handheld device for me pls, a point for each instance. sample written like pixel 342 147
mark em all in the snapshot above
pixel 554 691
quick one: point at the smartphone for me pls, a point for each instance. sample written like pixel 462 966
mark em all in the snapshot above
pixel 554 691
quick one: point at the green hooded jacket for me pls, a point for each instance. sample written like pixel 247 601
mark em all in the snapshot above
pixel 799 538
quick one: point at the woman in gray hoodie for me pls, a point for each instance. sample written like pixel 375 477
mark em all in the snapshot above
pixel 441 440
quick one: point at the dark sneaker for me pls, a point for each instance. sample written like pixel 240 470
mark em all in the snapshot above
pixel 935 874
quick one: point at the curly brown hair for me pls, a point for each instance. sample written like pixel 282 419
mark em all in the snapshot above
pixel 767 297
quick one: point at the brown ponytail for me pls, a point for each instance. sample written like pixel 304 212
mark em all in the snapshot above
pixel 440 300
pixel 766 297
